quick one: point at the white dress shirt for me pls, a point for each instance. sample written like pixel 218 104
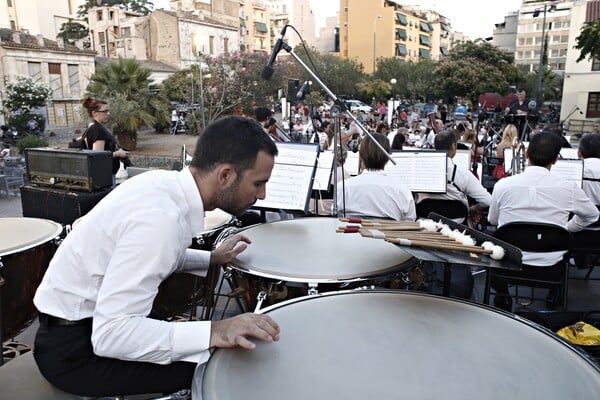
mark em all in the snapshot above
pixel 591 169
pixel 110 266
pixel 536 195
pixel 376 194
pixel 464 184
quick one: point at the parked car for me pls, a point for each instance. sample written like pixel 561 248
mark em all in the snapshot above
pixel 357 105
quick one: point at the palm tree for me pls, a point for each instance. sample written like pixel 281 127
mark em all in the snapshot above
pixel 134 99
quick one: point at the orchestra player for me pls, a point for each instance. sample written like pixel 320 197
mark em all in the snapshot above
pixel 96 335
pixel 519 109
pixel 536 195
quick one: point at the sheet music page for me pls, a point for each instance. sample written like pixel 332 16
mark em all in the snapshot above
pixel 462 159
pixel 569 170
pixel 324 170
pixel 569 153
pixel 291 181
pixel 508 159
pixel 420 171
pixel 352 163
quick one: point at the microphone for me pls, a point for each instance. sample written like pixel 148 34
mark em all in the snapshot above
pixel 268 70
pixel 577 108
pixel 302 91
pixel 532 105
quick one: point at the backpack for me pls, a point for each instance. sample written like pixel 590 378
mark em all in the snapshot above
pixel 79 143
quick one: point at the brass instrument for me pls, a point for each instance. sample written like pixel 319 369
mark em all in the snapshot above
pixel 519 158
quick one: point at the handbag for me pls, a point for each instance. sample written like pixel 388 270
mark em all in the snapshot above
pixel 79 143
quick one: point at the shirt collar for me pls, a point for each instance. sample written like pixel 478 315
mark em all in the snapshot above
pixel 193 200
pixel 534 169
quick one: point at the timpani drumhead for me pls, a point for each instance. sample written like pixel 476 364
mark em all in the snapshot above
pixel 215 218
pixel 400 345
pixel 19 234
pixel 310 250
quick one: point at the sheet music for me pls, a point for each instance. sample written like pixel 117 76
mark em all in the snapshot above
pixel 324 170
pixel 420 171
pixel 569 153
pixel 569 170
pixel 507 152
pixel 462 159
pixel 291 181
pixel 352 163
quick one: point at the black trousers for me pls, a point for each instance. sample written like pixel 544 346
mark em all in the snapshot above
pixel 66 359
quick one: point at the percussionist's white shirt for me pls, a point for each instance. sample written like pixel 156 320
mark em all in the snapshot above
pixel 110 266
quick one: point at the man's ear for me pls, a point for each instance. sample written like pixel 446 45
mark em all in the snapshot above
pixel 226 174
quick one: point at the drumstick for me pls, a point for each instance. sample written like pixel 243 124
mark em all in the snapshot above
pixel 496 252
pixel 369 220
pixel 429 236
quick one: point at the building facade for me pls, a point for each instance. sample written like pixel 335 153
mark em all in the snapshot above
pixel 64 68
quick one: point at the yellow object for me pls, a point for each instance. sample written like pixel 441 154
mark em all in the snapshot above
pixel 581 333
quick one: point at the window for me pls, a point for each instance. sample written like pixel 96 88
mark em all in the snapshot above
pixel 400 34
pixel 261 27
pixel 444 51
pixel 13 25
pixel 55 80
pixel 129 44
pixel 528 41
pixel 424 40
pixel 593 105
pixel 99 15
pixel 401 50
pixel 425 27
pixel 595 64
pixel 101 38
pixel 226 45
pixel 35 71
pixel 401 19
pixel 9 3
pixel 424 53
pixel 564 38
pixel 211 45
pixel 73 71
pixel 126 32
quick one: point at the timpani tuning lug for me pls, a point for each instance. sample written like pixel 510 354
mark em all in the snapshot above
pixel 262 296
pixel 312 289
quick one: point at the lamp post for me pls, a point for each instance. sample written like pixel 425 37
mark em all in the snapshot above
pixel 393 82
pixel 377 18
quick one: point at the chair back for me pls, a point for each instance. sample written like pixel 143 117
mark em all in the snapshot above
pixel 453 209
pixel 535 237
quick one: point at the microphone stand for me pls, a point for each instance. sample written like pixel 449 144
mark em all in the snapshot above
pixel 343 108
pixel 576 108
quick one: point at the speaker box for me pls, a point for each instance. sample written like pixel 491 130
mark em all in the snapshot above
pixel 293 87
pixel 62 206
pixel 70 169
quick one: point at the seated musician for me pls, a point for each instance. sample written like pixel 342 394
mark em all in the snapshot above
pixel 589 151
pixel 539 196
pixel 374 193
pixel 460 182
pixel 96 336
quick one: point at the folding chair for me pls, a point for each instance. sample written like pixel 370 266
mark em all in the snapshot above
pixel 453 209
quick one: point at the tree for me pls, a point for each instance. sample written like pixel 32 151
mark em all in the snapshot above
pixel 21 98
pixel 139 6
pixel 134 100
pixel 71 32
pixel 375 88
pixel 588 41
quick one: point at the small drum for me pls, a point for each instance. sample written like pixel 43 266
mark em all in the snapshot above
pixel 26 247
pixel 181 291
pixel 399 344
pixel 288 258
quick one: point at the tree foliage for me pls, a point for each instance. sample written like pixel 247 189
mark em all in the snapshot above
pixel 413 79
pixel 24 94
pixel 71 32
pixel 588 41
pixel 140 6
pixel 133 98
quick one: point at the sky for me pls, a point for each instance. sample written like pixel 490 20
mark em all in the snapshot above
pixel 475 18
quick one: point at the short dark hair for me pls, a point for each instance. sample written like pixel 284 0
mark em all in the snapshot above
pixel 262 113
pixel 589 145
pixel 544 148
pixel 372 157
pixel 234 140
pixel 444 140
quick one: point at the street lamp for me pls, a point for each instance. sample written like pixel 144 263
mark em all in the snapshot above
pixel 377 18
pixel 393 82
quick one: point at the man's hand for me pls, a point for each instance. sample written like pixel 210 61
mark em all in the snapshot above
pixel 236 331
pixel 229 249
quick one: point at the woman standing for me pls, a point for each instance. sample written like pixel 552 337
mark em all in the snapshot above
pixel 97 137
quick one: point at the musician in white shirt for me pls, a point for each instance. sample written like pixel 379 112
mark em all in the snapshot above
pixel 96 336
pixel 374 193
pixel 536 195
pixel 589 151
